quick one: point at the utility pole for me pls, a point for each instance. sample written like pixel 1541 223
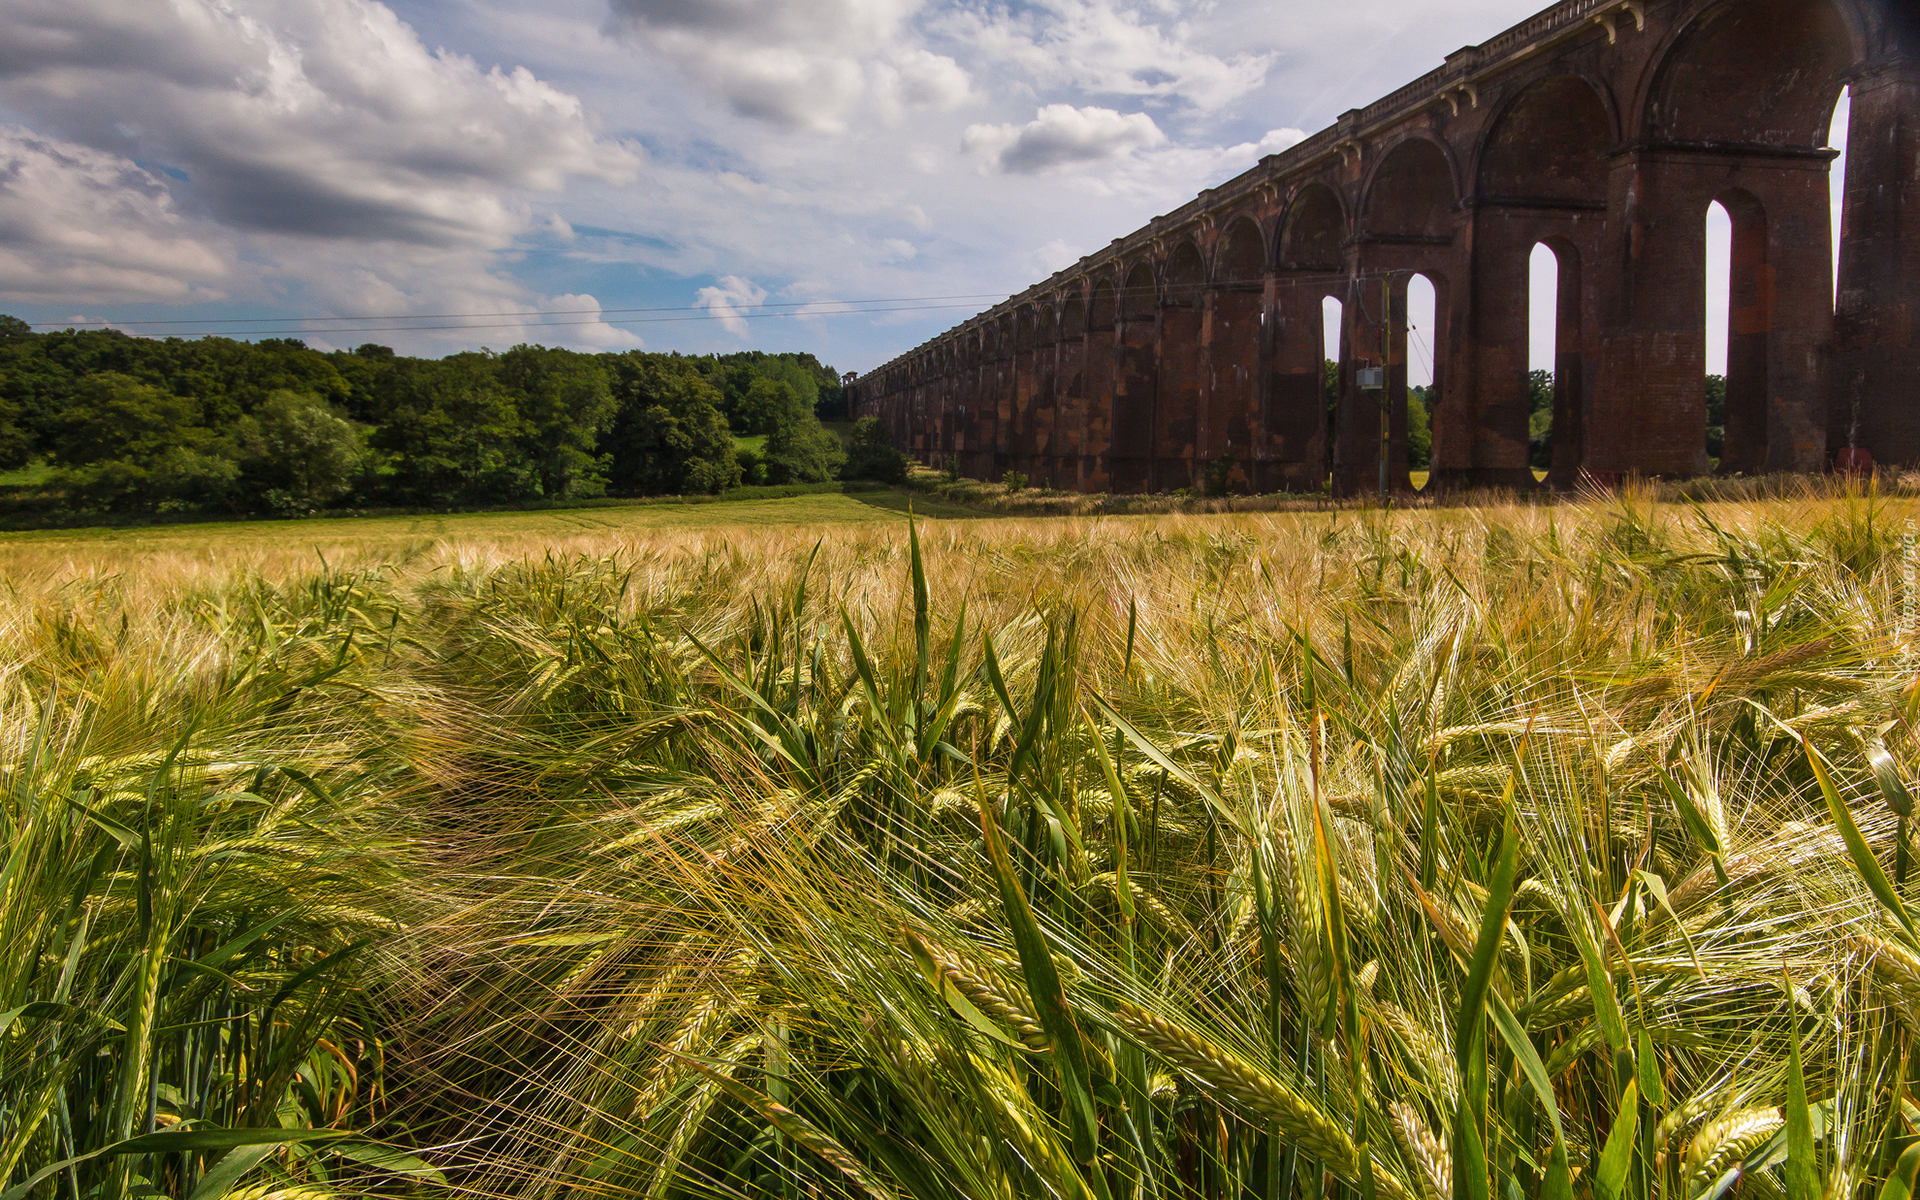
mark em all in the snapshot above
pixel 1374 379
pixel 1386 346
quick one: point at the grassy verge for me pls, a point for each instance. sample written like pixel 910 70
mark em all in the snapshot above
pixel 1038 501
pixel 1516 851
pixel 45 515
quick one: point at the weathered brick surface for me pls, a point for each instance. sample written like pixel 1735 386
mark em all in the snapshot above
pixel 1603 129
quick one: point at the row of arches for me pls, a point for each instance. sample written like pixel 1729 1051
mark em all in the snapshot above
pixel 1210 340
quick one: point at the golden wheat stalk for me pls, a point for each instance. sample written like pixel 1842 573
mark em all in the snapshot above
pixel 1423 1151
pixel 1725 1141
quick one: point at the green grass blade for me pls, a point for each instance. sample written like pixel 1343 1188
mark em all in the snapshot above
pixel 1470 1178
pixel 1493 921
pixel 1857 848
pixel 1529 1059
pixel 1802 1173
pixel 1617 1158
pixel 1696 823
pixel 922 616
pixel 1900 1184
pixel 1049 997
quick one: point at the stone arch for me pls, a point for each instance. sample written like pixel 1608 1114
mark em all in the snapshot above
pixel 1312 252
pixel 1549 143
pixel 1186 275
pixel 1412 192
pixel 1752 71
pixel 1740 102
pixel 1241 256
pixel 1131 461
pixel 1043 401
pixel 1018 443
pixel 1749 324
pixel 1314 230
pixel 1098 386
pixel 1140 294
pixel 1541 179
pixel 1233 424
pixel 1102 308
pixel 1181 433
pixel 1073 311
pixel 1064 467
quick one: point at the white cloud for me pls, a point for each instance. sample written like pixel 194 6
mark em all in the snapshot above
pixel 585 327
pixel 1272 142
pixel 800 63
pixel 1061 135
pixel 1106 48
pixel 917 80
pixel 727 301
pixel 77 224
pixel 327 120
pixel 1053 256
pixel 293 151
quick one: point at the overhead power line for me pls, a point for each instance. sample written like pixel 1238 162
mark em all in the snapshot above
pixel 521 317
pixel 524 319
pixel 545 312
pixel 723 316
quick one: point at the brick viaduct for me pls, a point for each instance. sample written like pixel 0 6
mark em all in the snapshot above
pixel 1601 128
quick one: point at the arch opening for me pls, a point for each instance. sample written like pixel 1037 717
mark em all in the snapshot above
pixel 1543 344
pixel 1739 319
pixel 1837 177
pixel 1422 313
pixel 1333 343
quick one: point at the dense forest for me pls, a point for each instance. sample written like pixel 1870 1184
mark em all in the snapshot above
pixel 126 424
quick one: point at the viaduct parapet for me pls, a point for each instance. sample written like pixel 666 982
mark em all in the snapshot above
pixel 1601 128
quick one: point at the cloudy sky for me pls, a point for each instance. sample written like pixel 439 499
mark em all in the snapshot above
pixel 652 173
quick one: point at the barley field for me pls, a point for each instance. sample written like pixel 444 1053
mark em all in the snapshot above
pixel 1480 853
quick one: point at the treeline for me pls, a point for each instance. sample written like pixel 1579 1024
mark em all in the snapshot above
pixel 136 424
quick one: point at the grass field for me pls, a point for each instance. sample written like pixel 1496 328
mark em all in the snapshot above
pixel 767 850
pixel 292 546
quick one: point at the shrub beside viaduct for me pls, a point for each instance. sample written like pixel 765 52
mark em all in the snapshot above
pixel 1601 128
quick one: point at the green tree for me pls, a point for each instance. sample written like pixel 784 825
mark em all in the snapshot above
pixel 668 436
pixel 1330 394
pixel 1716 417
pixel 126 445
pixel 871 454
pixel 297 454
pixel 1419 428
pixel 455 434
pixel 16 443
pixel 799 448
pixel 766 403
pixel 1540 419
pixel 566 405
